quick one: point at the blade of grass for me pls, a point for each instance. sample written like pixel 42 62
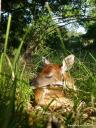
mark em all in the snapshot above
pixel 19 49
pixel 1 62
pixel 87 71
pixel 92 57
pixel 11 106
pixel 57 29
pixel 7 33
pixel 6 42
pixel 21 75
pixel 10 65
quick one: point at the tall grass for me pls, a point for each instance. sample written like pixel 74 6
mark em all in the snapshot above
pixel 14 91
pixel 57 29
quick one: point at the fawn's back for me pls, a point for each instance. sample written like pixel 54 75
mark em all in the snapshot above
pixel 51 82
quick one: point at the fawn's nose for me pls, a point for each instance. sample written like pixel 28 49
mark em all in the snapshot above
pixel 33 82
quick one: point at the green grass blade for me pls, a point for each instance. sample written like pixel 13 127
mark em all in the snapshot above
pixel 7 33
pixel 57 29
pixel 10 65
pixel 19 49
pixel 92 57
pixel 1 62
pixel 6 42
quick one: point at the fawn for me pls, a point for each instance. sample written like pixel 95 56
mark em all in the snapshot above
pixel 51 82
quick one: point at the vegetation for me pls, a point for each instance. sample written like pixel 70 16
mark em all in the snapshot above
pixel 31 29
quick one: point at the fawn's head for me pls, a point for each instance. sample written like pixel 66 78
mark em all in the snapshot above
pixel 55 74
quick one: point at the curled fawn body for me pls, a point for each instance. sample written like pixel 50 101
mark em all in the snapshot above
pixel 51 82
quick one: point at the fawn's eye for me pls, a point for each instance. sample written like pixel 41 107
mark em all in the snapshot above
pixel 48 77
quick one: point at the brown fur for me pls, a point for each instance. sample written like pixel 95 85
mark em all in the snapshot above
pixel 45 91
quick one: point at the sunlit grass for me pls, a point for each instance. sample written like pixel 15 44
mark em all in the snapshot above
pixel 14 90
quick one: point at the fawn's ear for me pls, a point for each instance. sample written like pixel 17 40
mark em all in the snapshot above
pixel 68 63
pixel 45 61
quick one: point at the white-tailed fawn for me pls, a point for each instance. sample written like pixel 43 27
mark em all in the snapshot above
pixel 51 82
